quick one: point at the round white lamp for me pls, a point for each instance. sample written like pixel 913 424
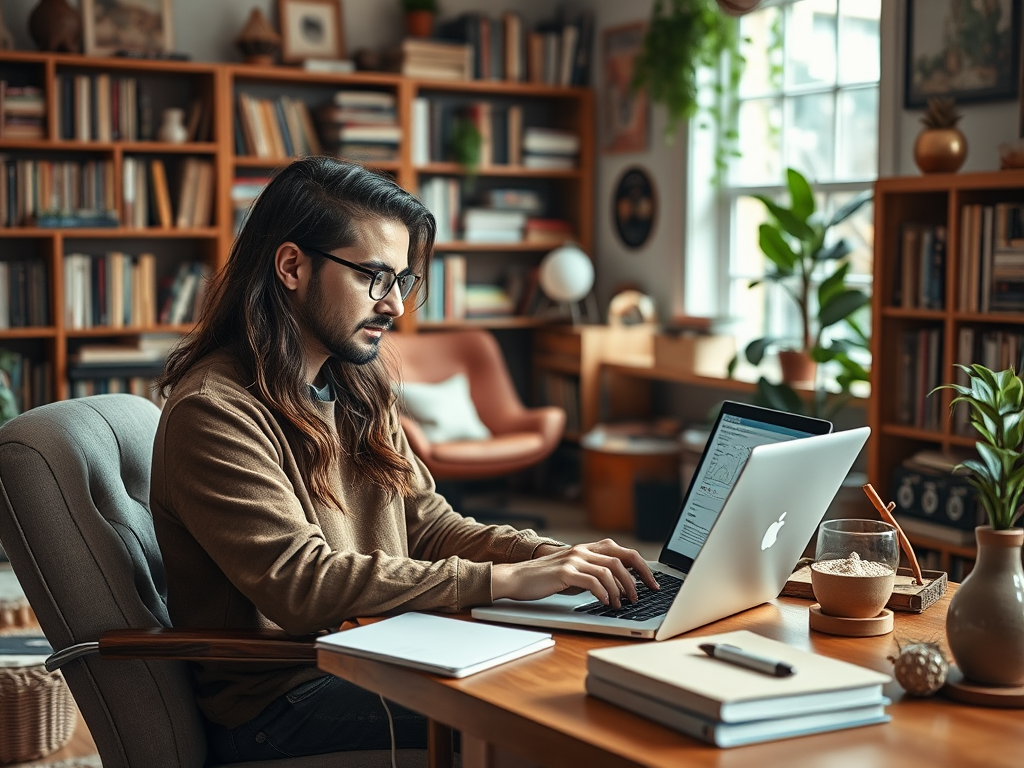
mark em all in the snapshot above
pixel 567 276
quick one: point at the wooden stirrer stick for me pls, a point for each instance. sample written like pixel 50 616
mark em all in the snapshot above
pixel 886 513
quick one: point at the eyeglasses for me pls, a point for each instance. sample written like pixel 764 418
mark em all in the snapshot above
pixel 383 280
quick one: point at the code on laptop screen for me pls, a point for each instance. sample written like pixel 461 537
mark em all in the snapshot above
pixel 724 457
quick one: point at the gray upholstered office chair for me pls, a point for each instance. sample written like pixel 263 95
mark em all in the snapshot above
pixel 75 522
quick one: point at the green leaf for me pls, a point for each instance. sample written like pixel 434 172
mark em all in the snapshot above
pixel 798 228
pixel 852 205
pixel 730 370
pixel 756 349
pixel 779 396
pixel 800 194
pixel 777 249
pixel 841 306
pixel 832 284
pixel 837 250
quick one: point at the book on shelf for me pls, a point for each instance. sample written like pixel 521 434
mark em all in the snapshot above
pixel 113 290
pixel 24 294
pixel 726 735
pixel 335 66
pixel 678 673
pixel 554 232
pixel 436 644
pixel 161 194
pixel 434 59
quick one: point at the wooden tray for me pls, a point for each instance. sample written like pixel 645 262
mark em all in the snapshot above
pixel 906 595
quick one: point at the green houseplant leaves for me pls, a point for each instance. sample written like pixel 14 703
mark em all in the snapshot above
pixel 996 412
pixel 798 252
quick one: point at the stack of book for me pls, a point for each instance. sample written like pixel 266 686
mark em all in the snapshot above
pixel 493 225
pixel 676 684
pixel 361 126
pixel 435 59
pixel 22 112
pixel 550 148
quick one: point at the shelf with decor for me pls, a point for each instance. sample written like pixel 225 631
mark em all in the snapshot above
pixel 85 134
pixel 948 288
pixel 108 209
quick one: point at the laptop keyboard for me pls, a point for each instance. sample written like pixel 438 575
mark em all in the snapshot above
pixel 649 603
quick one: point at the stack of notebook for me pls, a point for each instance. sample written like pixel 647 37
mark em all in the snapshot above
pixel 676 684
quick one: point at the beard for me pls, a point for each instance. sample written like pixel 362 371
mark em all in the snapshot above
pixel 340 342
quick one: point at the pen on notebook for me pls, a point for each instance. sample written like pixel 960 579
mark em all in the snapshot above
pixel 739 657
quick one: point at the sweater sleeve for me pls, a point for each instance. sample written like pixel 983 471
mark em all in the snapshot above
pixel 227 477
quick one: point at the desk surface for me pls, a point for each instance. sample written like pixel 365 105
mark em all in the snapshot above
pixel 537 706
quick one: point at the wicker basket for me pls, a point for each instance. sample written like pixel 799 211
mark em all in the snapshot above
pixel 37 713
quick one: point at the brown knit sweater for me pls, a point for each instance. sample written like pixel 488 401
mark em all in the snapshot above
pixel 245 546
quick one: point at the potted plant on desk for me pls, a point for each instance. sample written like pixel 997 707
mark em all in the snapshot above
pixel 811 270
pixel 985 623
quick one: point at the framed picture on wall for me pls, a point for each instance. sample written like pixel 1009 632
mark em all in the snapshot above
pixel 311 29
pixel 626 113
pixel 967 50
pixel 141 26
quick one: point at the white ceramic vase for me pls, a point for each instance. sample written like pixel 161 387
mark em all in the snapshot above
pixel 172 129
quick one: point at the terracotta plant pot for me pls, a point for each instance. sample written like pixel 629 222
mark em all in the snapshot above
pixel 419 23
pixel 797 367
pixel 940 150
pixel 985 623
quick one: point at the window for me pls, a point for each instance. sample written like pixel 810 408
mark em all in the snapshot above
pixel 808 100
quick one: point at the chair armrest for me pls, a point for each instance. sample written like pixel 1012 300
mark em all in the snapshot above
pixel 207 645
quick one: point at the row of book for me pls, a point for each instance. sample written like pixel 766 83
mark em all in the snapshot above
pixel 275 128
pixel 920 278
pixel 31 381
pixel 919 373
pixel 114 290
pixel 557 52
pixel 436 125
pixel 38 192
pixel 102 107
pixel 992 258
pixel 143 386
pixel 22 111
pixel 146 196
pixel 24 294
pixel 361 126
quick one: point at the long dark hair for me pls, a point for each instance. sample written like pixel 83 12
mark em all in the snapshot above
pixel 314 201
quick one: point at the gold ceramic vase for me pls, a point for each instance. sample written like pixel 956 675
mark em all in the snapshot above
pixel 940 150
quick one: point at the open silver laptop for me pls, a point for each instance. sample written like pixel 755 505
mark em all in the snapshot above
pixel 763 484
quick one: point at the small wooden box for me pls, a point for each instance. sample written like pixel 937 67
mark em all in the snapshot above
pixel 703 355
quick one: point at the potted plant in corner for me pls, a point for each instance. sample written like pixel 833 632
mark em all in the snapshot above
pixel 985 622
pixel 419 17
pixel 795 241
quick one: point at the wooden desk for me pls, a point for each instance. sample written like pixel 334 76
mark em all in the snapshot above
pixel 536 707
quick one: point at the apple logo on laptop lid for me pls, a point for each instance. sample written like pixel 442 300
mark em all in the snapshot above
pixel 772 533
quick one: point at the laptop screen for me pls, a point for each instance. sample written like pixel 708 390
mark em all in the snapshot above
pixel 737 431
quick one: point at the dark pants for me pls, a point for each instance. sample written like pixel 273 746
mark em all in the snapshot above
pixel 327 714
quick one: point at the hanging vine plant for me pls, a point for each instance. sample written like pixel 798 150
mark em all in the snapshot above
pixel 685 38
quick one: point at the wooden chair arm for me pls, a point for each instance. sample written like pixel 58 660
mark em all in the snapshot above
pixel 207 645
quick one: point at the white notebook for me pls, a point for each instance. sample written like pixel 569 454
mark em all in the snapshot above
pixel 677 673
pixel 449 647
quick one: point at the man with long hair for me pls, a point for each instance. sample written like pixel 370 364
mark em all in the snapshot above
pixel 284 492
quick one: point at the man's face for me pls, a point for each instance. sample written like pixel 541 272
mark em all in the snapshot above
pixel 338 313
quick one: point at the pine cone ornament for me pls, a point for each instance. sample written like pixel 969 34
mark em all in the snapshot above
pixel 921 669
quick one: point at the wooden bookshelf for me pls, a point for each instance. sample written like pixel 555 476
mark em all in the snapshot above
pixel 215 88
pixel 937 200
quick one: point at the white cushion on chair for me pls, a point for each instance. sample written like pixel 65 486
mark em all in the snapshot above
pixel 444 410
